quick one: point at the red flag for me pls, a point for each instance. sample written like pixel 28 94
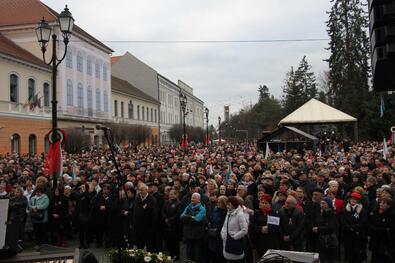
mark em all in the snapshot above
pixel 54 160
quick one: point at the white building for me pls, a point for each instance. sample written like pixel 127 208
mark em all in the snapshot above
pixel 170 110
pixel 84 77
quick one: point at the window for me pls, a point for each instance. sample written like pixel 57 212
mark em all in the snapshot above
pixel 14 87
pixel 69 58
pixel 105 71
pixel 97 70
pixel 80 96
pixel 138 112
pixel 156 119
pixel 69 93
pixel 115 108
pixel 32 144
pixel 89 66
pixel 15 143
pixel 46 144
pixel 130 110
pixel 89 95
pixel 122 112
pixel 152 114
pixel 46 94
pixel 31 86
pixel 79 61
pixel 147 114
pixel 105 101
pixel 98 100
pixel 143 113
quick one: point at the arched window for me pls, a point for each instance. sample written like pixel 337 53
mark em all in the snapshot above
pixel 147 114
pixel 115 108
pixel 80 96
pixel 105 76
pixel 90 101
pixel 122 110
pixel 31 87
pixel 80 61
pixel 143 113
pixel 98 100
pixel 152 114
pixel 14 88
pixel 138 112
pixel 46 144
pixel 156 118
pixel 97 69
pixel 32 144
pixel 96 140
pixel 105 101
pixel 15 143
pixel 69 92
pixel 69 58
pixel 89 66
pixel 130 110
pixel 46 94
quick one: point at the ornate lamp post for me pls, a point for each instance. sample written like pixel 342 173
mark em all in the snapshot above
pixel 219 129
pixel 44 33
pixel 206 110
pixel 183 103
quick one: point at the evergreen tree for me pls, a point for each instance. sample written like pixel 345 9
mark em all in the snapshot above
pixel 300 86
pixel 348 62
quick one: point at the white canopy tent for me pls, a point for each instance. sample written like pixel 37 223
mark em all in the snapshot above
pixel 317 112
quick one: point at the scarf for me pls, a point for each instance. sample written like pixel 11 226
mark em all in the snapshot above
pixel 266 211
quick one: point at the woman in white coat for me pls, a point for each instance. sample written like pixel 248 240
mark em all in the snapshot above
pixel 233 231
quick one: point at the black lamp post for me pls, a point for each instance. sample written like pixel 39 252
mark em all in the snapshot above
pixel 206 110
pixel 219 129
pixel 183 103
pixel 43 32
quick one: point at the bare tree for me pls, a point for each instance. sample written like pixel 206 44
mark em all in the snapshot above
pixel 77 140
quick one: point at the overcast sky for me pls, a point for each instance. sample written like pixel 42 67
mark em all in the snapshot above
pixel 220 73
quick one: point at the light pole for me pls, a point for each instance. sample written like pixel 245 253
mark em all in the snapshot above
pixel 183 103
pixel 219 129
pixel 206 110
pixel 43 32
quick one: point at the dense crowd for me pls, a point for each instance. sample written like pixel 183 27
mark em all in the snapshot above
pixel 223 203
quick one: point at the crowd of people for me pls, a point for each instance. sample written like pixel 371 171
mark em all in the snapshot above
pixel 222 203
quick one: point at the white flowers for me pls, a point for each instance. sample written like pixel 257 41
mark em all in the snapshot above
pixel 147 259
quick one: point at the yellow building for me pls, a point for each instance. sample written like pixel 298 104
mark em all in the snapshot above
pixel 132 106
pixel 25 115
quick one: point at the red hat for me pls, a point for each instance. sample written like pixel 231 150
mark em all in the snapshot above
pixel 267 198
pixel 356 195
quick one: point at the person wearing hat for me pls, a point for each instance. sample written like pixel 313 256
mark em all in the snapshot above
pixel 354 225
pixel 264 236
pixel 326 228
pixel 380 221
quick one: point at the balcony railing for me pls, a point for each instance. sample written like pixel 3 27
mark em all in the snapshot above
pixel 24 108
pixel 83 112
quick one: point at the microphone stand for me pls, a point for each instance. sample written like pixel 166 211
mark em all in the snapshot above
pixel 108 135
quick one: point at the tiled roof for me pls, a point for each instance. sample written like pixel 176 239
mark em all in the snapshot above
pixel 115 59
pixel 10 48
pixel 25 12
pixel 127 88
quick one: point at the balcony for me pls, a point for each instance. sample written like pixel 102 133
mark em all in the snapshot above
pixel 24 109
pixel 84 113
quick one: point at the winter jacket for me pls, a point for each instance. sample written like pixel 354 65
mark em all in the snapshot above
pixel 145 215
pixel 194 220
pixel 17 209
pixel 379 230
pixel 262 242
pixel 237 227
pixel 292 225
pixel 42 204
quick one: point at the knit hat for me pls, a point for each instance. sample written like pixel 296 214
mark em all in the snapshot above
pixel 356 195
pixel 328 201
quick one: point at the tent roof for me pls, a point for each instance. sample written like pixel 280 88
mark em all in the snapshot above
pixel 314 111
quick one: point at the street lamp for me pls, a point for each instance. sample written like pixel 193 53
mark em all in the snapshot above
pixel 206 110
pixel 43 32
pixel 219 129
pixel 183 103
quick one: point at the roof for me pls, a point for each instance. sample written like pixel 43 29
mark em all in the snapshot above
pixel 305 134
pixel 114 59
pixel 125 87
pixel 8 47
pixel 27 12
pixel 315 111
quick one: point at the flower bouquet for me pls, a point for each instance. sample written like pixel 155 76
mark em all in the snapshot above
pixel 137 256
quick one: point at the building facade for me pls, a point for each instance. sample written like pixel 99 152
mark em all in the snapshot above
pixel 132 106
pixel 195 106
pixel 83 78
pixel 25 119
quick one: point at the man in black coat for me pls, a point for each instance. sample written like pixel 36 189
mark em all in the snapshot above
pixel 291 226
pixel 145 218
pixel 313 213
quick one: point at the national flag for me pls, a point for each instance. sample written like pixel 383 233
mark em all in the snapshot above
pixel 385 149
pixel 267 153
pixel 54 162
pixel 382 106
